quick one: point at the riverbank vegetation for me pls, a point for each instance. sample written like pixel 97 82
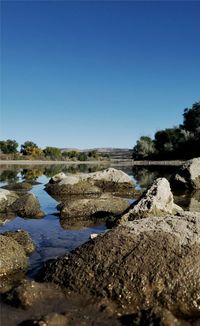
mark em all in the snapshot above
pixel 31 151
pixel 180 142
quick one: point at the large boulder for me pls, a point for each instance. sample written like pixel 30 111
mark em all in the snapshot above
pixel 23 238
pixel 157 200
pixel 27 206
pixel 188 176
pixel 138 265
pixel 109 180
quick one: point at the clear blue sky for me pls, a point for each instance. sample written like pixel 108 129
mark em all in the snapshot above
pixel 95 74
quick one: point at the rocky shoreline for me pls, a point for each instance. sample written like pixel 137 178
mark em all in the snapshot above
pixel 145 270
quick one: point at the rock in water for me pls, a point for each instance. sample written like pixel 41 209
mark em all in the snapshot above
pixel 85 208
pixel 188 176
pixel 23 238
pixel 109 180
pixel 27 206
pixel 7 198
pixel 138 265
pixel 12 256
pixel 157 200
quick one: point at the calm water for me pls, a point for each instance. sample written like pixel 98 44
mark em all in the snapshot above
pixel 50 238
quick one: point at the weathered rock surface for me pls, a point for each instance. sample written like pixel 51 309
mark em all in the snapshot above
pixel 23 238
pixel 109 180
pixel 87 207
pixel 188 176
pixel 138 265
pixel 12 256
pixel 157 200
pixel 27 206
pixel 6 199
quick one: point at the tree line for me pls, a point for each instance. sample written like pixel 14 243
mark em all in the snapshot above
pixel 30 150
pixel 180 142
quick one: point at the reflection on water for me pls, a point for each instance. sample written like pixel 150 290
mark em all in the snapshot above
pixel 10 174
pixel 52 237
pixel 145 176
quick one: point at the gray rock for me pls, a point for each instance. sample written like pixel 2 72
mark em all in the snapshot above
pixel 27 206
pixel 7 198
pixel 23 238
pixel 109 180
pixel 138 265
pixel 157 200
pixel 85 208
pixel 109 175
pixel 12 256
pixel 188 176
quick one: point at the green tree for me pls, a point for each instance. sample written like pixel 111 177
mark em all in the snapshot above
pixel 8 146
pixel 82 156
pixel 73 154
pixel 191 118
pixel 93 155
pixel 65 155
pixel 181 142
pixel 144 148
pixel 53 153
pixel 27 146
pixel 168 140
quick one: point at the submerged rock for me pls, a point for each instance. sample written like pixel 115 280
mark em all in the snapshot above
pixel 27 206
pixel 138 265
pixel 188 176
pixel 109 180
pixel 157 200
pixel 29 293
pixel 23 238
